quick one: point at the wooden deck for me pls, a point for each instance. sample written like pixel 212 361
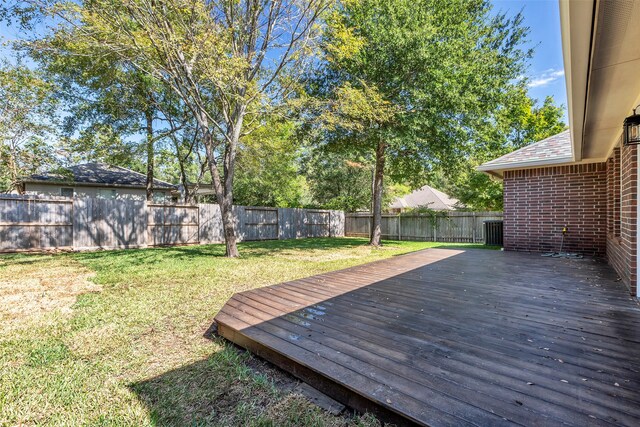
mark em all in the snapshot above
pixel 456 337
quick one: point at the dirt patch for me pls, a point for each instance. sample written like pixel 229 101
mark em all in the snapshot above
pixel 31 288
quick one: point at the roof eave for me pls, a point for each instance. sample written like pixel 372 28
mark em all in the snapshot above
pixel 495 169
pixel 93 184
pixel 498 170
pixel 577 24
pixel 493 173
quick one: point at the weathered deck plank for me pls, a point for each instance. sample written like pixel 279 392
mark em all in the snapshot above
pixel 456 337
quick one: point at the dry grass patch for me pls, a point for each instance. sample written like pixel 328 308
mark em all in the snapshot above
pixel 31 286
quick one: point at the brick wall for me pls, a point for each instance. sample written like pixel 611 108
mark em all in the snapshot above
pixel 539 202
pixel 598 202
pixel 622 183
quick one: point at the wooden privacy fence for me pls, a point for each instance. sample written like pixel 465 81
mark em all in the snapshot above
pixel 461 227
pixel 43 223
pixel 37 223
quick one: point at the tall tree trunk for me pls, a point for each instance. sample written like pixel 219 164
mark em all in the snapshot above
pixel 228 223
pixel 186 195
pixel 224 199
pixel 12 160
pixel 376 230
pixel 223 185
pixel 150 153
pixel 229 172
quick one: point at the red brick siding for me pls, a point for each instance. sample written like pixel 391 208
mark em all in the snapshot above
pixel 598 202
pixel 621 238
pixel 538 203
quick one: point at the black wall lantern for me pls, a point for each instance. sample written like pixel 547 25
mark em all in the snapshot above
pixel 631 131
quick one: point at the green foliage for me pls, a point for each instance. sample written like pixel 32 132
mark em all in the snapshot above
pixel 338 181
pixel 268 170
pixel 435 83
pixel 27 123
pixel 342 181
pixel 522 122
pixel 429 73
pixel 477 191
pixel 101 144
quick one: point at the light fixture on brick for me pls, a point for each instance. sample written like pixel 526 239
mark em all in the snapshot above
pixel 631 129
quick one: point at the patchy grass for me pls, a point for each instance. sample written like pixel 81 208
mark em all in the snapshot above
pixel 26 293
pixel 117 337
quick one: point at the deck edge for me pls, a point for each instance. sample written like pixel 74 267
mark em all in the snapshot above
pixel 317 380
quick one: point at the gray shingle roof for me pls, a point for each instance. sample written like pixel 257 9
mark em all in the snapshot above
pixel 552 150
pixel 100 173
pixel 426 197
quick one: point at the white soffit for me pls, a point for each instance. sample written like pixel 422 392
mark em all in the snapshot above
pixel 576 22
pixel 614 78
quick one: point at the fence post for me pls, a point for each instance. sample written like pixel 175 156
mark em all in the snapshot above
pixel 399 227
pixel 73 219
pixel 435 229
pixel 473 218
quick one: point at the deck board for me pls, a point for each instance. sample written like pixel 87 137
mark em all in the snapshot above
pixel 456 337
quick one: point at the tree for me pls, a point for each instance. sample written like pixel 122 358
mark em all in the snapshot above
pixel 268 168
pixel 27 123
pixel 104 97
pixel 523 122
pixel 343 180
pixel 182 160
pixel 100 144
pixel 409 82
pixel 229 62
pixel 338 181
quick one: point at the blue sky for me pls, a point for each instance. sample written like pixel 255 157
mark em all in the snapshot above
pixel 546 72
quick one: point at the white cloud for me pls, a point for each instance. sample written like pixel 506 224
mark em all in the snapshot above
pixel 545 78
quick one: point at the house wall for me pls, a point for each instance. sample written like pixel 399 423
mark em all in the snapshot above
pixel 598 202
pixel 139 194
pixel 539 202
pixel 622 192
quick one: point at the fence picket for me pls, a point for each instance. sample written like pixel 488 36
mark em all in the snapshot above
pixel 456 227
pixel 34 223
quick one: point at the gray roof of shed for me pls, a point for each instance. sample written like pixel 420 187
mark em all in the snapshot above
pixel 97 174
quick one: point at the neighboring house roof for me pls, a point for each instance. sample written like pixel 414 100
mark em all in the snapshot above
pixel 550 151
pixel 426 197
pixel 98 175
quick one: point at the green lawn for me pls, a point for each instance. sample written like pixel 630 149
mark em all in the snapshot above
pixel 118 337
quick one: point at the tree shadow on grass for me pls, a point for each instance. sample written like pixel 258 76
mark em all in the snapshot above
pixel 270 247
pixel 230 387
pixel 27 258
pixel 248 250
pixel 254 249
